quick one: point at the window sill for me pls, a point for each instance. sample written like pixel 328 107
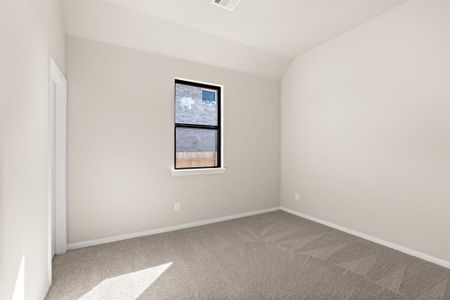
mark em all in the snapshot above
pixel 205 171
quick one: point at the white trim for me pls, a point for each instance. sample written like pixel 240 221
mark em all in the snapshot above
pixel 55 74
pixel 204 171
pixel 60 136
pixel 167 229
pixel 405 250
pixel 57 168
pixel 61 169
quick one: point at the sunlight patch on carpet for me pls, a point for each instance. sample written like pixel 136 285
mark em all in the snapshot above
pixel 127 286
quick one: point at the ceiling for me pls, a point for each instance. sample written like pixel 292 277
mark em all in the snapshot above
pixel 259 36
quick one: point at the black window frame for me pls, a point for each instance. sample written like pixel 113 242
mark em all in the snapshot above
pixel 217 127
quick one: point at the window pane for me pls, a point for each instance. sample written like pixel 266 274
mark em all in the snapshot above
pixel 196 148
pixel 195 105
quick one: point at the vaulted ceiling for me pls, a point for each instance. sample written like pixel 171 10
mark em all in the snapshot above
pixel 259 36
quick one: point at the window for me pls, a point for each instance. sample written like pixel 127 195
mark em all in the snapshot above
pixel 197 125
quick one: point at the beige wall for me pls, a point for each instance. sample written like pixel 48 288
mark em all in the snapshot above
pixel 120 147
pixel 27 41
pixel 366 129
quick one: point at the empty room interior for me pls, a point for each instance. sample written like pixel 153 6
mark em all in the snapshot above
pixel 224 149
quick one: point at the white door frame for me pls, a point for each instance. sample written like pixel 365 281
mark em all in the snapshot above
pixel 58 163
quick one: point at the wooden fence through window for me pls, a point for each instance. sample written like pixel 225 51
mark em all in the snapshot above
pixel 196 159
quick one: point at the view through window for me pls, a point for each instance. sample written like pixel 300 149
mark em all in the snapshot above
pixel 197 125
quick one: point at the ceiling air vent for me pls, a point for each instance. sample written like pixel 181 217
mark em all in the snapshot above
pixel 227 4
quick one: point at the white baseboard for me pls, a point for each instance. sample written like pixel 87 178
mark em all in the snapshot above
pixel 405 250
pixel 166 229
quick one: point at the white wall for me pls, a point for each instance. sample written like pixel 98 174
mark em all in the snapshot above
pixel 366 129
pixel 30 31
pixel 120 148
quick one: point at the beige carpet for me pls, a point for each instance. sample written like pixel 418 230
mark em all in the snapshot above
pixel 270 256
